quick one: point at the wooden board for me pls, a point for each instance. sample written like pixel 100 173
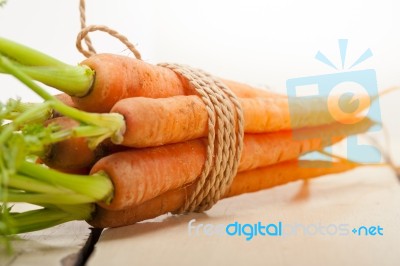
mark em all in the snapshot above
pixel 368 196
pixel 55 246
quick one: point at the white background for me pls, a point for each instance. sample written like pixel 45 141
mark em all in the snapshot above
pixel 259 42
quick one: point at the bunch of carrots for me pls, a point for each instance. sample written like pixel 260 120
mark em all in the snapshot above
pixel 126 141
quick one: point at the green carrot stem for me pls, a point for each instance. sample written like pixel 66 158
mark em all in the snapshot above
pixel 25 183
pixel 113 122
pixel 36 226
pixel 21 119
pixel 88 131
pixel 16 108
pixel 60 135
pixel 56 198
pixel 98 187
pixel 51 214
pixel 69 79
pixel 31 114
pixel 74 80
pixel 38 146
pixel 25 55
pixel 80 211
pixel 48 217
pixel 11 68
pixel 19 106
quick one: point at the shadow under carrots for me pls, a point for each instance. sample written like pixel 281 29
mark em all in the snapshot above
pixel 303 193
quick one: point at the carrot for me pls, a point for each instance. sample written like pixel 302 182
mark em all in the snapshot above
pixel 74 154
pixel 181 118
pixel 245 182
pixel 283 173
pixel 102 80
pixel 142 79
pixel 140 175
pixel 118 77
pixel 66 99
pixel 177 119
pixel 76 171
pixel 243 90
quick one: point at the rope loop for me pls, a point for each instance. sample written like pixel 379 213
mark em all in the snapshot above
pixel 83 35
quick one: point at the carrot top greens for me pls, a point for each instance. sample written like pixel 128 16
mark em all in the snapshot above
pixel 74 80
pixel 57 197
pixel 98 127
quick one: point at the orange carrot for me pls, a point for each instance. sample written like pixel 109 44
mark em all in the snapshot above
pixel 283 173
pixel 66 99
pixel 181 118
pixel 119 77
pixel 243 90
pixel 153 122
pixel 65 153
pixel 73 154
pixel 140 175
pixel 245 182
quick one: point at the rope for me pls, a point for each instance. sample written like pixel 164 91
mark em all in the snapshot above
pixel 225 143
pixel 225 123
pixel 83 35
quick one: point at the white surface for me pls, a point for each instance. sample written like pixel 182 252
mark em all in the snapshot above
pixel 54 246
pixel 369 196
